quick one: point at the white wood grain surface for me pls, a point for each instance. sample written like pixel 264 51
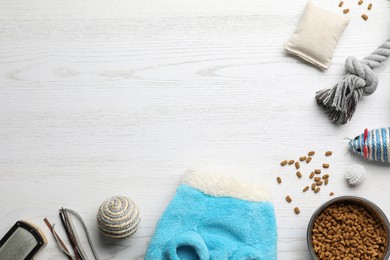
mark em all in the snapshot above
pixel 100 98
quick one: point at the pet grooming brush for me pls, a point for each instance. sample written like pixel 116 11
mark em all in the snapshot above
pixel 21 242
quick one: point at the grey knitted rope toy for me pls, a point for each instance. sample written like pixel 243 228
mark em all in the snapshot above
pixel 118 217
pixel 340 102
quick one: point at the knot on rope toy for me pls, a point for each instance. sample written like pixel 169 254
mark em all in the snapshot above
pixel 360 69
pixel 340 101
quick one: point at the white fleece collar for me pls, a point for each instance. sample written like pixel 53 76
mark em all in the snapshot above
pixel 226 186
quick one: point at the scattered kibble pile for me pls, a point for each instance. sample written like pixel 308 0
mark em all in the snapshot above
pixel 348 231
pixel 316 177
pixel 360 2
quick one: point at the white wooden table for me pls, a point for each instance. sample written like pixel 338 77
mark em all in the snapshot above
pixel 100 98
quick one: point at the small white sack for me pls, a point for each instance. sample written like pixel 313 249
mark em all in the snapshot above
pixel 317 35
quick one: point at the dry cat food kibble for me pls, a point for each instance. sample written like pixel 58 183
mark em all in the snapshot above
pixel 360 2
pixel 297 165
pixel 331 194
pixel 317 178
pixel 348 231
pixel 296 210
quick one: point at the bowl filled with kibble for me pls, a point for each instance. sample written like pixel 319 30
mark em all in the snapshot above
pixel 349 227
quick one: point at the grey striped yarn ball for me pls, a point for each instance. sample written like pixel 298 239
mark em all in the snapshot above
pixel 118 217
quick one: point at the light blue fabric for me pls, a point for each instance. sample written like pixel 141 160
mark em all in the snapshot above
pixel 199 226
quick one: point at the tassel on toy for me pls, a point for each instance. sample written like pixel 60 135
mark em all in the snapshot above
pixel 79 252
pixel 372 145
pixel 340 101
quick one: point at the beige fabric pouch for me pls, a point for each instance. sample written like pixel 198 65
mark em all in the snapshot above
pixel 317 35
